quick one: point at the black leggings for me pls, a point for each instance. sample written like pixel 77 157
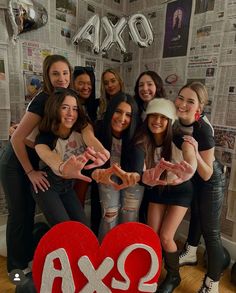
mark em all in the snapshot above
pixel 205 219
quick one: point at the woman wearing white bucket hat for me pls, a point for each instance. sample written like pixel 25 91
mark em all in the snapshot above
pixel 168 170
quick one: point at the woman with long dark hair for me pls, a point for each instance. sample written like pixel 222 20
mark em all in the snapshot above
pixel 168 203
pixel 119 191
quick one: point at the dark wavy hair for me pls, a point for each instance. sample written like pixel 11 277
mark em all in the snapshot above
pixel 145 140
pixel 52 118
pixel 160 92
pixel 106 129
pixel 91 104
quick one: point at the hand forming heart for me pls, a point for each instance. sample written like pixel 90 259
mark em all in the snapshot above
pixel 104 176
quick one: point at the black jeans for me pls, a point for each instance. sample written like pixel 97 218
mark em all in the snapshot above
pixel 205 218
pixel 60 203
pixel 21 208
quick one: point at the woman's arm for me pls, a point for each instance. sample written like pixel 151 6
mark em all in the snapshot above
pixel 25 127
pixel 50 158
pixel 27 124
pixel 91 140
pixel 205 159
pixel 189 155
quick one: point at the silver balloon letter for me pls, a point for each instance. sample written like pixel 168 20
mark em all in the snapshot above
pixel 113 34
pixel 90 32
pixel 134 32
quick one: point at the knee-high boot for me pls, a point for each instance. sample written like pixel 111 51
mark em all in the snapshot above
pixel 172 279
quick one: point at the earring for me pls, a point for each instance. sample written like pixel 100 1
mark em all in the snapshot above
pixel 197 116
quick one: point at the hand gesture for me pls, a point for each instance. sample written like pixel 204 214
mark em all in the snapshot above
pixel 183 170
pixel 152 176
pixel 103 176
pixel 98 158
pixel 72 167
pixel 127 178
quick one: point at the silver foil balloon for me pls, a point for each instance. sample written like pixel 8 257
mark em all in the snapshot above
pixel 89 32
pixel 134 21
pixel 113 34
pixel 26 15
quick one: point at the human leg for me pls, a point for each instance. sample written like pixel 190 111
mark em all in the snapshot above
pixel 73 206
pixel 21 209
pixel 110 202
pixel 210 206
pixel 95 208
pixel 155 215
pixel 170 223
pixel 188 255
pixel 131 198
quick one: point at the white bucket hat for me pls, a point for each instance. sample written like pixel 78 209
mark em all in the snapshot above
pixel 162 106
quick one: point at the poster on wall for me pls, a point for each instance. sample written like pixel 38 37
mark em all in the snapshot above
pixel 32 85
pixel 178 15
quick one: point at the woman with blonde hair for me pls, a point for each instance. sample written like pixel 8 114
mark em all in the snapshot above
pixel 111 84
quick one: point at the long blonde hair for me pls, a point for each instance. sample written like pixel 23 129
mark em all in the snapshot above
pixel 105 98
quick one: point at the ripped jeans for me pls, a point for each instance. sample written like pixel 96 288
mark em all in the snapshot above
pixel 118 206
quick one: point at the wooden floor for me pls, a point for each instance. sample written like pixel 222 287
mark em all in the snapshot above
pixel 191 279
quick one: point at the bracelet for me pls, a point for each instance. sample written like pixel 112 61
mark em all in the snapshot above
pixel 59 168
pixel 27 173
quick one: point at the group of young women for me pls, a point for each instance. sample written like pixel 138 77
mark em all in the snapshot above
pixel 143 151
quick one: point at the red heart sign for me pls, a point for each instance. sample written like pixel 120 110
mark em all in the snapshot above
pixel 70 259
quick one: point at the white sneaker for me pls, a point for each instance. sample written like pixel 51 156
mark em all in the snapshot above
pixel 209 286
pixel 188 256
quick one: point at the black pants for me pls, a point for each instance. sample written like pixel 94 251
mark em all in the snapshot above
pixel 205 219
pixel 96 213
pixel 21 208
pixel 60 203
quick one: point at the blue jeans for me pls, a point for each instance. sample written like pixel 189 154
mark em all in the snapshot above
pixel 60 203
pixel 205 219
pixel 21 208
pixel 118 206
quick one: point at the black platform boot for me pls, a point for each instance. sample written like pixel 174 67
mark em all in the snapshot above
pixel 172 279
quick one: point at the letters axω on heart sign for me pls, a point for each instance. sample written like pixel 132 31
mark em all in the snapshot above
pixel 70 259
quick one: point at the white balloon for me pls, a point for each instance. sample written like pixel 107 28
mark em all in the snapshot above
pixel 133 21
pixel 26 16
pixel 113 34
pixel 89 32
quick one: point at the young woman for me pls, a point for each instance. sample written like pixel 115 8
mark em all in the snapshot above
pixel 208 184
pixel 62 150
pixel 120 195
pixel 19 168
pixel 168 203
pixel 84 84
pixel 111 84
pixel 148 86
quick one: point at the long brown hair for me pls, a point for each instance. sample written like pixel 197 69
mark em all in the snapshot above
pixel 47 63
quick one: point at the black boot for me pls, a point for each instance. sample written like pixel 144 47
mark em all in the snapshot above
pixel 172 279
